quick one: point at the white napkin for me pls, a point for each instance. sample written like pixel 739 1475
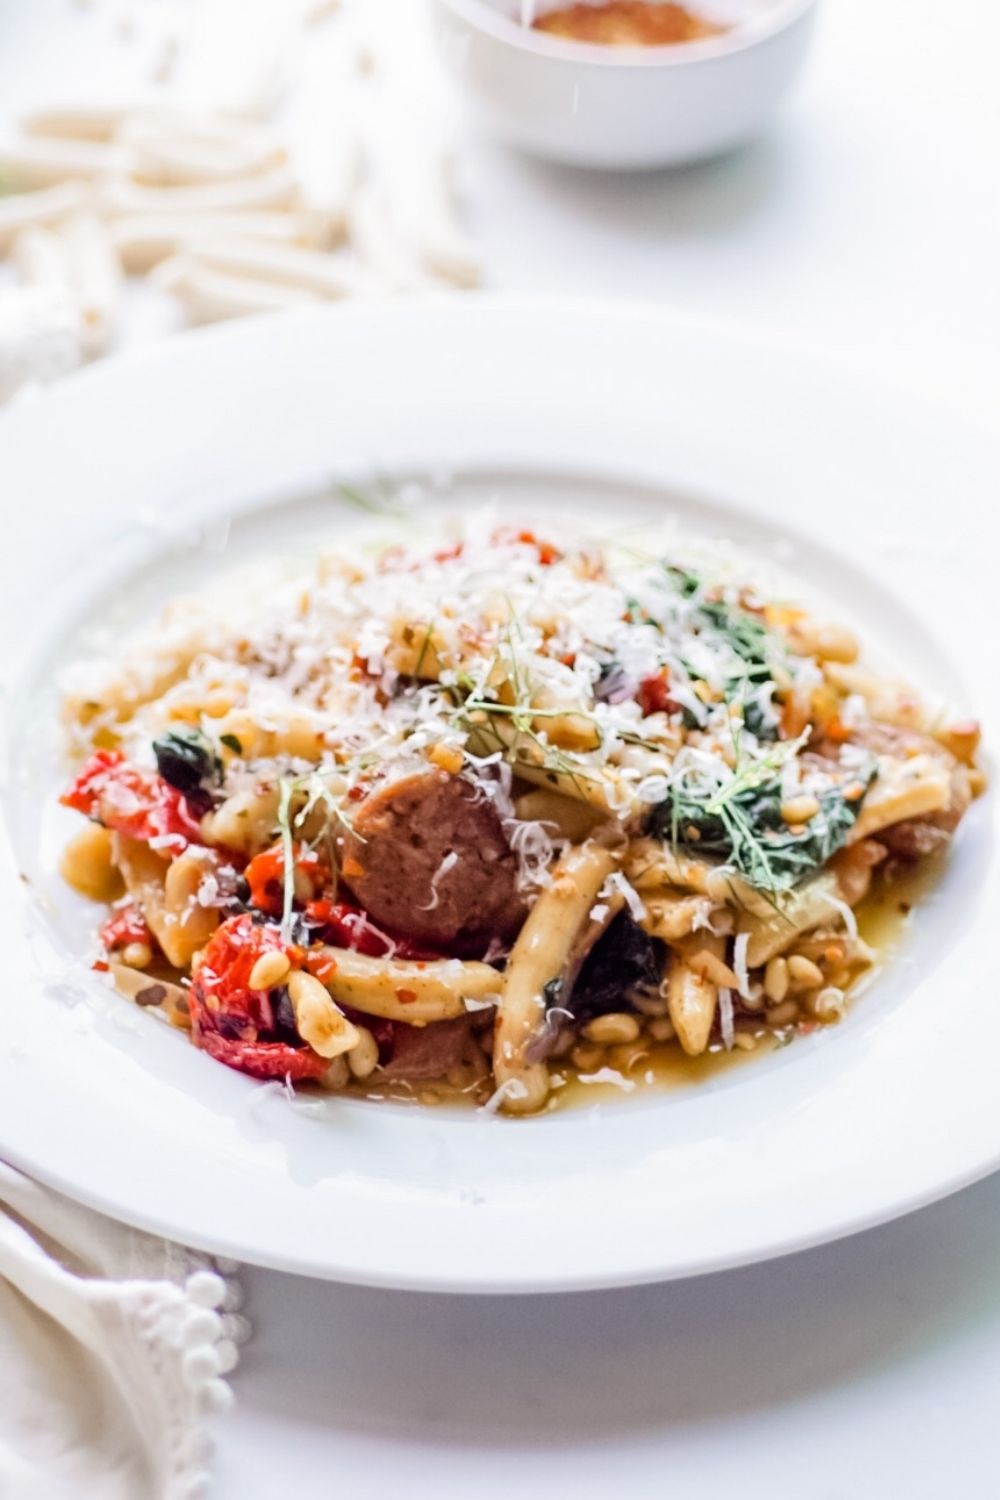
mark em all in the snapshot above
pixel 113 1345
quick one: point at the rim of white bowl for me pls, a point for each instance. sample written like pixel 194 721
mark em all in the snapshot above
pixel 484 15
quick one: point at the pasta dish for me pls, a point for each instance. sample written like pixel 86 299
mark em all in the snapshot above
pixel 496 812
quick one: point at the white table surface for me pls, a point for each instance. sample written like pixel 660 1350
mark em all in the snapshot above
pixel 866 226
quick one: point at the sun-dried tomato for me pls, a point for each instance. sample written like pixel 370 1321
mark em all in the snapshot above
pixel 263 1059
pixel 265 875
pixel 347 926
pixel 235 1024
pixel 132 801
pixel 221 986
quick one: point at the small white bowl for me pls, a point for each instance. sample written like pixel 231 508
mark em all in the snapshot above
pixel 625 107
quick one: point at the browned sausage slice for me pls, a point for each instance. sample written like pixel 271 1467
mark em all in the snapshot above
pixel 916 838
pixel 429 859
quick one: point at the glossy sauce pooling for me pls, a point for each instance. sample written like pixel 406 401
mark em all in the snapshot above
pixel 628 23
pixel 883 920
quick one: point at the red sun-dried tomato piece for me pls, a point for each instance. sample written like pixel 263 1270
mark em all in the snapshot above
pixel 265 875
pixel 347 926
pixel 132 801
pixel 263 1059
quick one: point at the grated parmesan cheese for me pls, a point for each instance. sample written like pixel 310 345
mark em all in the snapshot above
pixel 726 1018
pixel 740 944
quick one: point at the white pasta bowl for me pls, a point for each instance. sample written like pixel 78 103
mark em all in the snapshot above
pixel 136 481
pixel 624 107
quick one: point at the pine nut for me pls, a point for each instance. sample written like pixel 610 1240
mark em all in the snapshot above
pixel 799 809
pixel 362 1059
pixel 710 966
pixel 137 955
pixel 587 1059
pixel 744 1041
pixel 625 1056
pixel 611 1029
pixel 272 968
pixel 661 1029
pixel 651 1005
pixel 804 973
pixel 776 980
pixel 448 758
pixel 337 1074
pixel 782 1015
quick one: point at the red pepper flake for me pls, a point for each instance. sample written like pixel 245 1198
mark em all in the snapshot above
pixel 320 965
pixel 406 997
pixel 101 966
pixel 654 695
pixel 507 536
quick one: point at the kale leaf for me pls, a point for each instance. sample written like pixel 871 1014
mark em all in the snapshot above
pixel 745 828
pixel 623 960
pixel 186 759
pixel 747 637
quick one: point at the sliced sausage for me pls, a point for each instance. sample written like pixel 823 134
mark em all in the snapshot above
pixel 915 838
pixel 428 858
pixel 426 1052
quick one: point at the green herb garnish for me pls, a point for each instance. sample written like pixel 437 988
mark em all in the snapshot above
pixel 286 789
pixel 748 638
pixel 741 822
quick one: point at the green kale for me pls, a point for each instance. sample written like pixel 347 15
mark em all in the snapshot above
pixel 742 824
pixel 748 639
pixel 186 759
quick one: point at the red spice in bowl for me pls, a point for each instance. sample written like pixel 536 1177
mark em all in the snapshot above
pixel 628 23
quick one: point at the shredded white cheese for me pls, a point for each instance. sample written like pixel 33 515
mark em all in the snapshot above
pixel 726 1018
pixel 740 943
pixel 609 1075
pixel 847 916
